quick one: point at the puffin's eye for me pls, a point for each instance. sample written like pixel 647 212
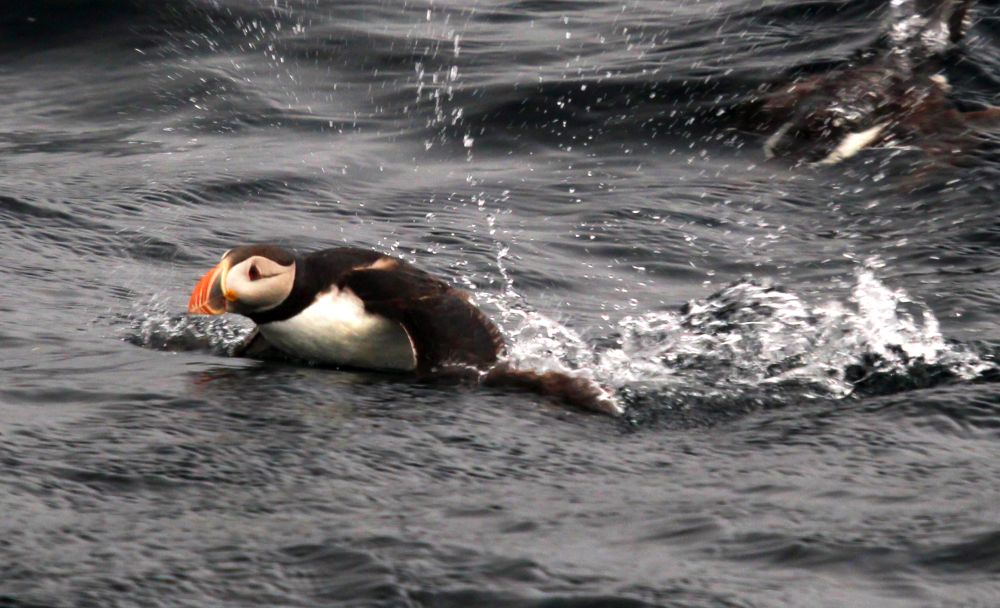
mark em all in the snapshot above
pixel 254 273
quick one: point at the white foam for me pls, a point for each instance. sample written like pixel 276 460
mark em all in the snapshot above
pixel 752 335
pixel 154 326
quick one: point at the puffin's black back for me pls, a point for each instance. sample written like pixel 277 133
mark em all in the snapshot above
pixel 446 329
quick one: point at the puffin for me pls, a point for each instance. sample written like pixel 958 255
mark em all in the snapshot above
pixel 359 308
pixel 889 94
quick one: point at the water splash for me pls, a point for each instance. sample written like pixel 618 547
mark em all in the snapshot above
pixel 155 327
pixel 751 334
pixel 922 28
pixel 436 83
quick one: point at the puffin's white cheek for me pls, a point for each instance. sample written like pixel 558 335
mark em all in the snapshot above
pixel 252 298
pixel 262 294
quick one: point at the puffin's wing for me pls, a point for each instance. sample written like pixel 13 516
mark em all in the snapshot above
pixel 445 328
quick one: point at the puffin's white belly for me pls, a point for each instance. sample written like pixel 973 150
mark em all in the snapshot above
pixel 336 329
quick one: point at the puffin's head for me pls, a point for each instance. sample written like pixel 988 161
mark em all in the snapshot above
pixel 248 279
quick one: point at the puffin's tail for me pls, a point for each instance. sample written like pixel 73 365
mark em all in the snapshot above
pixel 575 391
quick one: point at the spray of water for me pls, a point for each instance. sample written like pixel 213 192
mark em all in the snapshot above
pixel 157 327
pixel 751 334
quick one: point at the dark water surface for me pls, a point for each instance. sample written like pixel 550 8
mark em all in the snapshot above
pixel 819 426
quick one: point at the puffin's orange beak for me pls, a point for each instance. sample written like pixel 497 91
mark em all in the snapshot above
pixel 208 297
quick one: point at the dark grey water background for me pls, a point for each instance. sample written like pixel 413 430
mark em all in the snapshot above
pixel 832 441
